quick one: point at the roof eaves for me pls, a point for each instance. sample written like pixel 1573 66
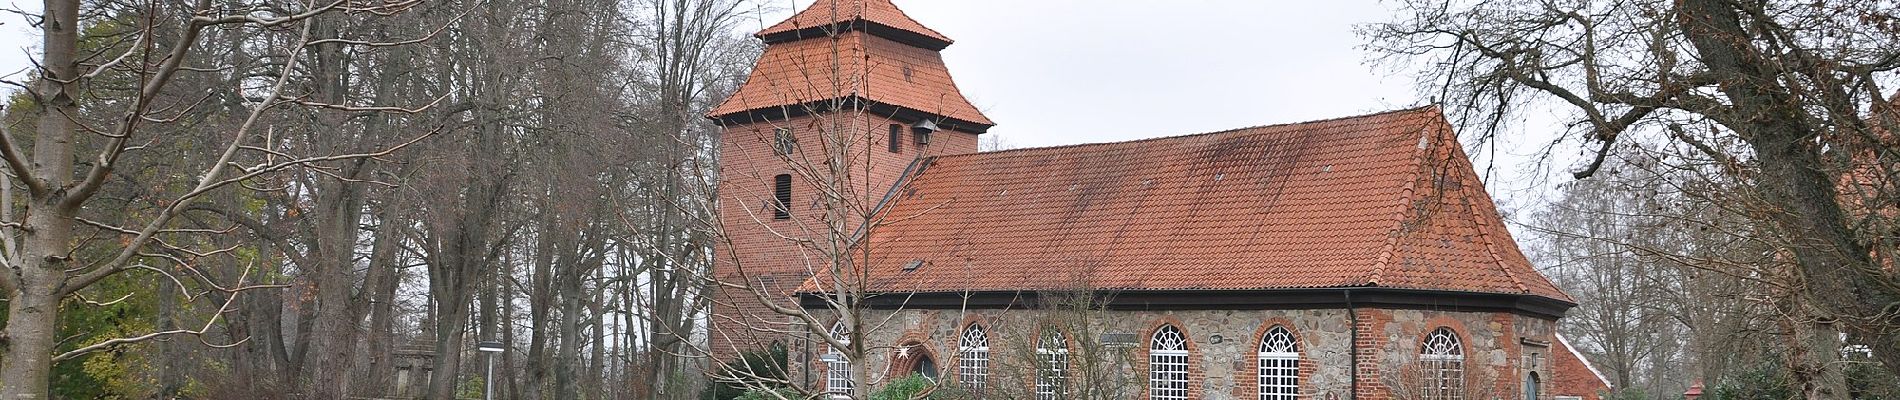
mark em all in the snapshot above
pixel 848 101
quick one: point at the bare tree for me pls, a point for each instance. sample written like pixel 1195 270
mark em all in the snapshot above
pixel 1666 276
pixel 689 58
pixel 113 125
pixel 1084 365
pixel 1774 94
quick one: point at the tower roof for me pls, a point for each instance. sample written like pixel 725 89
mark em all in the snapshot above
pixel 880 60
pixel 826 14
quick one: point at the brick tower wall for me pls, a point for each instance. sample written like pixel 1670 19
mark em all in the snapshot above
pixel 754 248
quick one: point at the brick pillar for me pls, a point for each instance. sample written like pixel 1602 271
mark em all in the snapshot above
pixel 1367 380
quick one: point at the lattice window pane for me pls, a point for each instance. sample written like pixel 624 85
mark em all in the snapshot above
pixel 973 361
pixel 1052 375
pixel 1442 366
pixel 1168 365
pixel 1279 365
pixel 839 381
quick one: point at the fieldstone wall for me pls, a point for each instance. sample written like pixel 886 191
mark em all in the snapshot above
pixel 1223 347
pixel 1497 350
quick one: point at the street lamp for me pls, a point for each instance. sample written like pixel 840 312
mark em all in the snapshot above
pixel 491 347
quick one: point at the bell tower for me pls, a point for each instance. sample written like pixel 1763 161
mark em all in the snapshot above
pixel 847 94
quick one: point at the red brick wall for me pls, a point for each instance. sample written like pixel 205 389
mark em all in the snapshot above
pixel 1369 344
pixel 754 248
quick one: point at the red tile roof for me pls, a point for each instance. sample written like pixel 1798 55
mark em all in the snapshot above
pixel 1381 200
pixel 877 69
pixel 830 12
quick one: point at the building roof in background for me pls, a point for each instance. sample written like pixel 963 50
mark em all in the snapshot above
pixel 1575 375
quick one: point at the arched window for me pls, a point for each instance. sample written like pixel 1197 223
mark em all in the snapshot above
pixel 973 358
pixel 782 196
pixel 1168 365
pixel 838 376
pixel 1052 369
pixel 1279 365
pixel 1442 366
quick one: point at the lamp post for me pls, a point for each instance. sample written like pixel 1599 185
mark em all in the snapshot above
pixel 490 347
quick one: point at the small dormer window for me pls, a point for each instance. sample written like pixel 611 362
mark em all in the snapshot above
pixel 783 142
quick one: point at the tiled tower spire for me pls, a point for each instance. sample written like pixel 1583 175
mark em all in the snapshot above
pixel 852 51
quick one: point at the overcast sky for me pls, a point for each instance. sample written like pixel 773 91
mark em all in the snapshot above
pixel 1053 72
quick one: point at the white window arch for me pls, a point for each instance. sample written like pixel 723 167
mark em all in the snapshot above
pixel 1052 369
pixel 1279 365
pixel 1168 365
pixel 839 381
pixel 973 358
pixel 1442 366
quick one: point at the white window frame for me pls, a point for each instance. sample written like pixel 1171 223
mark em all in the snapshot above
pixel 1168 364
pixel 1279 368
pixel 839 379
pixel 1052 379
pixel 973 358
pixel 1441 361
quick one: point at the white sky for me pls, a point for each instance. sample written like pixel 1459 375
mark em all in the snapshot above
pixel 1053 72
pixel 18 42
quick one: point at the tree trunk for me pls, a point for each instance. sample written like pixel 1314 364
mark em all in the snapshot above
pixel 567 363
pixel 39 276
pixel 339 210
pixel 510 375
pixel 448 351
pixel 171 358
pixel 463 258
pixel 599 345
pixel 379 287
pixel 540 293
pixel 1839 271
pixel 31 331
pixel 1813 361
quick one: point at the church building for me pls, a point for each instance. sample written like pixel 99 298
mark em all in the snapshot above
pixel 1349 258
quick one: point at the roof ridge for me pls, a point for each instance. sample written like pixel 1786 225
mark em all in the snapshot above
pixel 1406 191
pixel 1190 135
